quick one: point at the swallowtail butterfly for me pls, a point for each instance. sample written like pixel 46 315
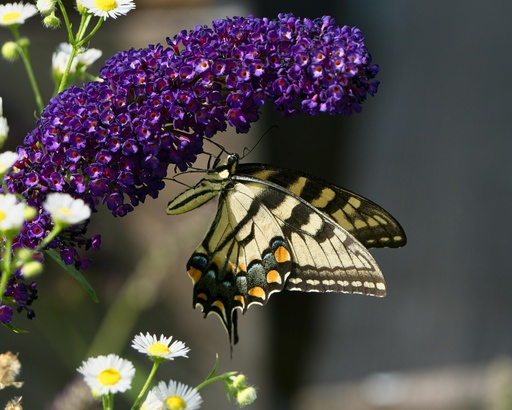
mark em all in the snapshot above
pixel 277 229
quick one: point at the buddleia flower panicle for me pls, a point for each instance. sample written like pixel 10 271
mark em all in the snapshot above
pixel 107 374
pixel 111 141
pixel 159 348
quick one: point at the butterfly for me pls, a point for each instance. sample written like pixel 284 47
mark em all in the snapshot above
pixel 276 229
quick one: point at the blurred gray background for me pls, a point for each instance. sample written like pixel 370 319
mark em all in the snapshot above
pixel 432 148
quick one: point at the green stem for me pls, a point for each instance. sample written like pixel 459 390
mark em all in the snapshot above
pixel 56 230
pixel 6 268
pixel 66 21
pixel 211 380
pixel 74 41
pixel 146 386
pixel 92 33
pixel 65 76
pixel 23 51
pixel 110 401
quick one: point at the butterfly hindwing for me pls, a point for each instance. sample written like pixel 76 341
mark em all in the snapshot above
pixel 242 260
pixel 325 257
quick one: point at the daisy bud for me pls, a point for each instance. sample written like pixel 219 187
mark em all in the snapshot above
pixel 32 268
pixel 51 21
pixel 10 51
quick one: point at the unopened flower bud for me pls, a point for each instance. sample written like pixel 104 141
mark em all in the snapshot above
pixel 51 21
pixel 246 396
pixel 32 268
pixel 10 51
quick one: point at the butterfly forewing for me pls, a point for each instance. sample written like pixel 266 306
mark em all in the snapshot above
pixel 365 220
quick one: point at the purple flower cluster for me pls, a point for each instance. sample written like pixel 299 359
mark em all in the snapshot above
pixel 112 141
pixel 17 294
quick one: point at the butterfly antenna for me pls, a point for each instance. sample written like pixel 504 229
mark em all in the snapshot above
pixel 247 151
pixel 222 149
pixel 217 157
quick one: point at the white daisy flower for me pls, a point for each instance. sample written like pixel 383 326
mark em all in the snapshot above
pixel 61 56
pixel 4 127
pixel 107 374
pixel 152 402
pixel 173 396
pixel 12 213
pixel 7 160
pixel 46 7
pixel 4 130
pixel 65 210
pixel 16 13
pixel 159 348
pixel 108 8
pixel 60 59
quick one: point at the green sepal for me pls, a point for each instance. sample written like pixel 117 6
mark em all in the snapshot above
pixel 75 274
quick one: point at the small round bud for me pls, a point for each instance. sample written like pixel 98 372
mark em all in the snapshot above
pixel 24 255
pixel 246 396
pixel 10 51
pixel 238 381
pixel 31 269
pixel 29 213
pixel 51 21
pixel 24 42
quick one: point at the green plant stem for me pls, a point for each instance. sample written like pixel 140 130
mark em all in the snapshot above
pixel 146 386
pixel 93 31
pixel 76 41
pixel 23 51
pixel 211 380
pixel 66 20
pixel 6 265
pixel 56 230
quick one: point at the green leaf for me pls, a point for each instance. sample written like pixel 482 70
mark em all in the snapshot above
pixel 14 328
pixel 215 366
pixel 75 274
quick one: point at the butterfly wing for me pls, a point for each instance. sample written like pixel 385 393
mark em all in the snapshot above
pixel 265 239
pixel 370 224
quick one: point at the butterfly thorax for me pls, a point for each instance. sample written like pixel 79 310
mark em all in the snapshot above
pixel 215 181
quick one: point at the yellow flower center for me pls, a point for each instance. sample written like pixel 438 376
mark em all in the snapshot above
pixel 3 215
pixel 175 403
pixel 158 349
pixel 106 5
pixel 64 211
pixel 12 16
pixel 109 377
